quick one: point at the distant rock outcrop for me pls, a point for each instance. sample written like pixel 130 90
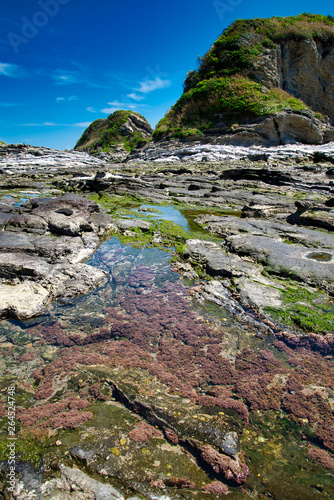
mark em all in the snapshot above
pixel 264 81
pixel 121 131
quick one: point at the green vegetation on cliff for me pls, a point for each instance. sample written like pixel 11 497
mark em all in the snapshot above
pixel 232 99
pixel 224 88
pixel 124 128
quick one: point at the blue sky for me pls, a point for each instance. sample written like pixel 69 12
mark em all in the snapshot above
pixel 65 63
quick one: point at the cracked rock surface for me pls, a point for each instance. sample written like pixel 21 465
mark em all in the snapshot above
pixel 43 244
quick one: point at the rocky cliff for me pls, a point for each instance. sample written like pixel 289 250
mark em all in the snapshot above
pixel 125 129
pixel 264 81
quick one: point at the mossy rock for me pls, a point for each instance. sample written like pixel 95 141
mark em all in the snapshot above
pixel 122 128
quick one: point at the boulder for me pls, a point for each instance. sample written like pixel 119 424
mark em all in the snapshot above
pixel 23 301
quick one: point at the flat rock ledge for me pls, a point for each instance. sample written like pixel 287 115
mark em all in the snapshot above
pixel 43 244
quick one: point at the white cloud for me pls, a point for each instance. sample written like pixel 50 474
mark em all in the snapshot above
pixel 68 98
pixel 136 97
pixel 109 111
pixel 81 124
pixel 11 70
pixel 63 77
pixel 123 105
pixel 9 104
pixel 53 124
pixel 116 106
pixel 150 85
pixel 91 110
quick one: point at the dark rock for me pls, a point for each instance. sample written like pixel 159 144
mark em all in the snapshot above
pixel 28 223
pixel 330 203
pixel 230 444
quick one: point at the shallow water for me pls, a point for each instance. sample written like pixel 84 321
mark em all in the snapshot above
pixel 145 303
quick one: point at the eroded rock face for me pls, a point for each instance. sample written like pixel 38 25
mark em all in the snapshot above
pixel 42 247
pixel 286 127
pixel 304 68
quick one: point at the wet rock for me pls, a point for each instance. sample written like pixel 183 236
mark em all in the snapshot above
pixel 233 470
pixel 126 224
pixel 180 483
pixel 230 444
pixel 82 454
pixel 43 246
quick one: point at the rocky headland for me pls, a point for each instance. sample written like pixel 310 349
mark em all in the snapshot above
pixel 121 132
pixel 167 308
pixel 263 81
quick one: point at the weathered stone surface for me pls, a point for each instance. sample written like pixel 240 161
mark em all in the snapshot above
pixel 212 149
pixel 125 224
pixel 27 223
pixel 15 158
pixel 286 259
pixel 218 261
pixel 23 266
pixel 46 243
pixel 303 68
pixel 77 485
pixel 287 127
pixel 23 301
pixel 230 225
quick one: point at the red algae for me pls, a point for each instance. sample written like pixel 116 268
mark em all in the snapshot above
pixel 216 488
pixel 27 356
pixel 143 432
pixel 31 416
pixel 233 470
pixel 321 456
pixel 94 390
pixel 180 483
pixel 171 436
pixel 67 420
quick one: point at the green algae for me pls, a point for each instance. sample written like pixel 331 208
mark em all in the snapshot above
pixel 304 308
pixel 277 455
